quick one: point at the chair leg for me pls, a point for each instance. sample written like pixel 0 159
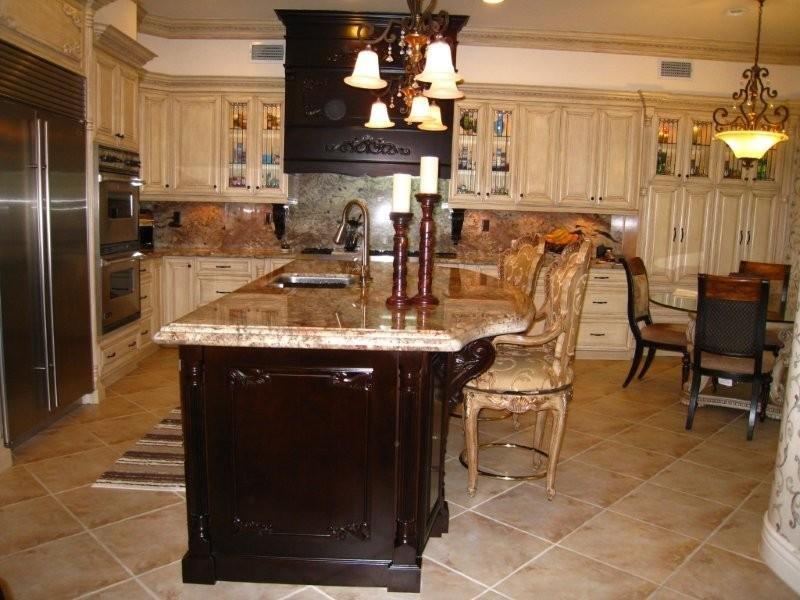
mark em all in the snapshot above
pixel 685 368
pixel 637 357
pixel 538 435
pixel 471 443
pixel 693 394
pixel 765 385
pixel 556 438
pixel 755 396
pixel 651 354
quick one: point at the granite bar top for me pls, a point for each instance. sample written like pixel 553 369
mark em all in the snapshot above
pixel 260 315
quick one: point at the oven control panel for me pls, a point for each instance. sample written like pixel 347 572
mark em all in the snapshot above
pixel 114 160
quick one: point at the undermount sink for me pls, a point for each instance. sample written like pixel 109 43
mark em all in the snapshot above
pixel 297 280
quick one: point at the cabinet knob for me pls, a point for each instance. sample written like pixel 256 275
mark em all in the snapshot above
pixel 248 187
pixel 600 199
pixel 522 195
pixel 679 174
pixel 166 185
pixel 258 187
pixel 487 194
pixel 747 179
pixel 215 186
pixel 592 198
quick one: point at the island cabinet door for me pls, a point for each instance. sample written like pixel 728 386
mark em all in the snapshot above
pixel 300 447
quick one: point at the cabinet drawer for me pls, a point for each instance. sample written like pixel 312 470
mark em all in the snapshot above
pixel 147 329
pixel 212 288
pixel 606 277
pixel 224 266
pixel 145 269
pixel 600 335
pixel 121 351
pixel 605 302
pixel 146 296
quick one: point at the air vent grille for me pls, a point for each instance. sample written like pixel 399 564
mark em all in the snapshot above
pixel 266 52
pixel 675 68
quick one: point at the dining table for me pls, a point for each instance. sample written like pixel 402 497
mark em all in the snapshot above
pixel 780 316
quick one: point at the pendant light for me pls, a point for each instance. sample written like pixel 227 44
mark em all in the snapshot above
pixel 434 122
pixel 438 63
pixel 366 74
pixel 444 90
pixel 756 125
pixel 420 110
pixel 379 116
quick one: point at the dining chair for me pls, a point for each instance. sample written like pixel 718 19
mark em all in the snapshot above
pixel 653 336
pixel 778 276
pixel 533 372
pixel 729 339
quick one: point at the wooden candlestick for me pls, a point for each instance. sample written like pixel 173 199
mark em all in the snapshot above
pixel 427 244
pixel 399 298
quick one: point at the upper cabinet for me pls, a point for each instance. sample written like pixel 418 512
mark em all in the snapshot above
pixel 195 144
pixel 154 117
pixel 683 148
pixel 532 156
pixel 116 103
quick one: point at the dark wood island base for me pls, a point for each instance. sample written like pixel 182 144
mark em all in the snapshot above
pixel 320 467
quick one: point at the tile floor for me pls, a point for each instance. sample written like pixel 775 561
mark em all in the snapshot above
pixel 643 508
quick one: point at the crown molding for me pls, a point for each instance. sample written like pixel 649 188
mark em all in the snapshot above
pixel 195 29
pixel 162 81
pixel 782 54
pixel 110 39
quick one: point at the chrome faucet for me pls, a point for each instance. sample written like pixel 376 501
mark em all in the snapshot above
pixel 338 239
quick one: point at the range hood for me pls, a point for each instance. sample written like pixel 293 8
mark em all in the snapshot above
pixel 325 117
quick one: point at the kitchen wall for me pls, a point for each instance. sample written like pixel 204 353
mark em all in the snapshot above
pixel 315 206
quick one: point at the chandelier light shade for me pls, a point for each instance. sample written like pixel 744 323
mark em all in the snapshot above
pixel 438 64
pixel 444 90
pixel 379 116
pixel 754 124
pixel 366 73
pixel 434 121
pixel 420 110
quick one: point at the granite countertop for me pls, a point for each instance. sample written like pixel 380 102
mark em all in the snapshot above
pixel 472 306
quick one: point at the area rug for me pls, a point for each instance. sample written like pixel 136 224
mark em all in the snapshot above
pixel 154 463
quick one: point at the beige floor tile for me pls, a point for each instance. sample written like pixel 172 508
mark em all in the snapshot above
pixel 721 414
pixel 625 460
pixel 95 507
pixel 673 510
pixel 765 437
pixel 561 574
pixel 741 534
pixel 675 421
pixel 455 481
pixel 167 583
pixel 62 569
pixel 613 406
pixel 438 583
pixel 591 484
pixel 110 408
pixel 632 546
pixel 56 441
pixel 526 507
pixel 147 379
pixel 132 541
pixel 719 575
pixel 16 485
pixel 494 549
pixel 490 595
pixel 32 522
pixel 66 472
pixel 705 482
pixel 131 428
pixel 592 423
pixel 455 509
pixel 664 593
pixel 741 462
pixel 657 440
pixel 758 502
pixel 574 442
pixel 156 398
pixel 127 590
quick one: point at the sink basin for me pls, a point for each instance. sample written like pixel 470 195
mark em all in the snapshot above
pixel 298 280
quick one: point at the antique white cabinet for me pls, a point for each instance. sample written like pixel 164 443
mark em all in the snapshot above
pixel 156 162
pixel 195 143
pixel 116 103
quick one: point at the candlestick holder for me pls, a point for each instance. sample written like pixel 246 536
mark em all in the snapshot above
pixel 427 244
pixel 399 298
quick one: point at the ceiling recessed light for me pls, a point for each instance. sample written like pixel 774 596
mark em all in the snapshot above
pixel 492 1
pixel 736 11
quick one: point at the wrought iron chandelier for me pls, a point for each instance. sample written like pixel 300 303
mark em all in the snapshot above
pixel 754 124
pixel 428 74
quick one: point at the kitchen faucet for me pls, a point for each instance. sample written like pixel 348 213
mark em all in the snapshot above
pixel 338 239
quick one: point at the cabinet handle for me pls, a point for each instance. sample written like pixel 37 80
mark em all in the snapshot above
pixel 597 334
pixel 222 266
pixel 599 302
pixel 219 292
pixel 741 236
pixel 674 233
pixel 748 237
pixel 132 344
pixel 145 332
pixel 143 298
pixel 600 277
pixel 112 355
pixel 682 234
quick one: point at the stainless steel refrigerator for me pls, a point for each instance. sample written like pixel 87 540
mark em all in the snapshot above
pixel 45 331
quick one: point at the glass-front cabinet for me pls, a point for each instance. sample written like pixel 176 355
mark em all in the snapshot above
pixel 684 148
pixel 765 171
pixel 253 147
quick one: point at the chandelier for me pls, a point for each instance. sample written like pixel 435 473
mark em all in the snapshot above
pixel 428 72
pixel 754 124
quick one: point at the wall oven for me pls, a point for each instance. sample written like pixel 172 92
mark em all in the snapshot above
pixel 120 289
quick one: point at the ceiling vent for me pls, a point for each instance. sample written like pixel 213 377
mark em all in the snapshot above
pixel 266 52
pixel 680 69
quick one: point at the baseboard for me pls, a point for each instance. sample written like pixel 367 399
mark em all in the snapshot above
pixel 6 459
pixel 92 397
pixel 780 555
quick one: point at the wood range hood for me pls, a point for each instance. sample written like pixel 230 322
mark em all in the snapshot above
pixel 325 117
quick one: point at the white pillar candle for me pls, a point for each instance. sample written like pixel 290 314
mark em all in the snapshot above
pixel 401 193
pixel 429 174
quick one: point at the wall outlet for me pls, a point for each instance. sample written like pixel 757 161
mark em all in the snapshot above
pixel 485 225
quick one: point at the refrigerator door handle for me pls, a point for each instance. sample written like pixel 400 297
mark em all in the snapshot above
pixel 50 332
pixel 3 396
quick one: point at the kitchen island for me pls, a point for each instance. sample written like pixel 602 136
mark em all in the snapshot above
pixel 315 422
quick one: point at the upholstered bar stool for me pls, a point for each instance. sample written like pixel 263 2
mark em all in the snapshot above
pixel 533 372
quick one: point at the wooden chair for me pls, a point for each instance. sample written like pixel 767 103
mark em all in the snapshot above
pixel 533 372
pixel 729 339
pixel 653 336
pixel 778 277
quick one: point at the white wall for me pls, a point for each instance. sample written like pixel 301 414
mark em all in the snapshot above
pixel 122 15
pixel 482 64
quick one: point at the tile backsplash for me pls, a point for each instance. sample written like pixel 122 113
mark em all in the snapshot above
pixel 314 209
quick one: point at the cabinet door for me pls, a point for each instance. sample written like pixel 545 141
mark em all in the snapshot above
pixel 539 156
pixel 178 288
pixel 618 149
pixel 468 147
pixel 106 94
pixel 698 150
pixel 667 159
pixel 728 236
pixel 578 134
pixel 236 146
pixel 267 161
pixel 500 161
pixel 661 231
pixel 195 149
pixel 691 234
pixel 155 148
pixel 127 107
pixel 211 287
pixel 758 242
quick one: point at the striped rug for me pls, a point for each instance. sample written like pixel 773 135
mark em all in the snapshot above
pixel 154 463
